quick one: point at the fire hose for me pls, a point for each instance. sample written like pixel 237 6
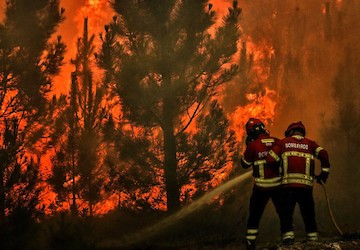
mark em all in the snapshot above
pixel 330 209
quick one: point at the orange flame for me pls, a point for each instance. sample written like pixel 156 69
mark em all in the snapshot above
pixel 261 106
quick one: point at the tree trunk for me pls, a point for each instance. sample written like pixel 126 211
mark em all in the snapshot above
pixel 2 195
pixel 74 210
pixel 72 124
pixel 170 161
pixel 170 166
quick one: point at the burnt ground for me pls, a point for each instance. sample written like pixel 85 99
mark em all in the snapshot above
pixel 329 244
pixel 347 242
pixel 338 243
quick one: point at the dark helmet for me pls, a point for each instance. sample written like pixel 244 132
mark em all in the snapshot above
pixel 254 127
pixel 295 126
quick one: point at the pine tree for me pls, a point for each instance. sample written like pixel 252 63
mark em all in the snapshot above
pixel 29 61
pixel 77 161
pixel 206 154
pixel 166 64
pixel 133 166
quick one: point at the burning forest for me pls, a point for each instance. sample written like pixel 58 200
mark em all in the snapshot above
pixel 123 122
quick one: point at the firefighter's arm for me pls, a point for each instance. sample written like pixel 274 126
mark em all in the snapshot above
pixel 322 155
pixel 247 159
pixel 273 157
pixel 244 163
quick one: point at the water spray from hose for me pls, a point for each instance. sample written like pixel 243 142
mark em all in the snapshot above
pixel 170 220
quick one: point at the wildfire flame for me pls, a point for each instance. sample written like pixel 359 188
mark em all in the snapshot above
pixel 261 106
pixel 99 12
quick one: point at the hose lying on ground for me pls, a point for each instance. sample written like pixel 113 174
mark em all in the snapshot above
pixel 330 210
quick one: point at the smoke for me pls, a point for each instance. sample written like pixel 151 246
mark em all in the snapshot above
pixel 291 56
pixel 306 55
pixel 167 222
pixel 294 54
pixel 311 61
pixel 98 12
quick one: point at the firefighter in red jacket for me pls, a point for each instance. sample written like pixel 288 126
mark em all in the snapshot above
pixel 297 153
pixel 267 180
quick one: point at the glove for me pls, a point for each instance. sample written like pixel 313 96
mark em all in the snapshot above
pixel 322 177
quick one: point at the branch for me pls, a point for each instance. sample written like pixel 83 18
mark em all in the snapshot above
pixel 196 112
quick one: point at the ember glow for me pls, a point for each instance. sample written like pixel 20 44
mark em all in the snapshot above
pixel 260 103
pixel 269 39
pixel 99 13
pixel 297 60
pixel 261 106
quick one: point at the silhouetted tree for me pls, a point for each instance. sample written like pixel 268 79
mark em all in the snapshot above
pixel 77 172
pixel 29 60
pixel 133 166
pixel 206 153
pixel 19 188
pixel 167 59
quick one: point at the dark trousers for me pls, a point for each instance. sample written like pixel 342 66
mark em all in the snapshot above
pixel 258 201
pixel 303 197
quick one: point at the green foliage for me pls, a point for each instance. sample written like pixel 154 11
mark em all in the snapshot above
pixel 29 62
pixel 176 59
pixel 166 65
pixel 133 166
pixel 205 154
pixel 77 175
pixel 19 190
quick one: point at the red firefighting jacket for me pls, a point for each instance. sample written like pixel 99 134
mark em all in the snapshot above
pixel 297 155
pixel 255 156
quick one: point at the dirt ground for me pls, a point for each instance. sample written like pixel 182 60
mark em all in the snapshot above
pixel 328 244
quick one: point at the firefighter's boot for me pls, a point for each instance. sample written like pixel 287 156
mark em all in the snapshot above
pixel 312 237
pixel 288 238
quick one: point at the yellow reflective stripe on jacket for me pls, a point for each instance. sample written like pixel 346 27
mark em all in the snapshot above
pixel 317 151
pixel 298 178
pixel 325 170
pixel 299 154
pixel 246 162
pixel 299 137
pixel 273 155
pixel 261 164
pixel 261 181
pixel 267 140
pixel 271 182
pixel 297 181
